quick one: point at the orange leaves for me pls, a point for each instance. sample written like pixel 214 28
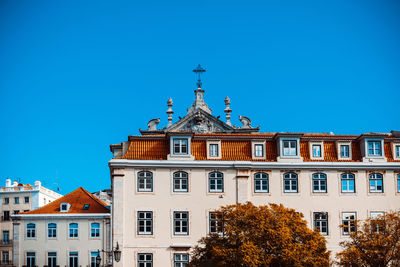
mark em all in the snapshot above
pixel 261 236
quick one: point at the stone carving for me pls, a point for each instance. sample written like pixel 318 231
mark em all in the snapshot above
pixel 245 121
pixel 152 124
pixel 199 123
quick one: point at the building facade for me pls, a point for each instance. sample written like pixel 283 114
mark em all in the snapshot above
pixel 71 231
pixel 167 182
pixel 15 198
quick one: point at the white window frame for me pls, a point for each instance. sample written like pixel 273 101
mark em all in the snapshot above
pixel 373 182
pixel 319 222
pixel 398 183
pixel 339 145
pixel 262 178
pixel 143 222
pixel 53 231
pixel 180 221
pixel 94 230
pixel 5 257
pixel 148 181
pixel 147 259
pixel 30 232
pixel 375 214
pixel 51 258
pixel 29 258
pixel 216 143
pixel 348 221
pixel 178 178
pixel 214 223
pixel 181 259
pixel 75 230
pixel 64 207
pixel 180 154
pixel 254 145
pixel 93 256
pixel 318 179
pixel 282 141
pixel 395 147
pixel 72 255
pixel 214 176
pixel 291 181
pixel 382 148
pixel 346 177
pixel 312 144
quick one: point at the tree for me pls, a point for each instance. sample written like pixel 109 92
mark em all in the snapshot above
pixel 376 243
pixel 269 235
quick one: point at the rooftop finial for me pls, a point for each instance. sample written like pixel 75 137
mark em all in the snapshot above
pixel 228 111
pixel 170 111
pixel 199 70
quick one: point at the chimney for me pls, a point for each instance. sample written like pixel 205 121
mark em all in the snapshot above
pixel 15 183
pixel 8 182
pixel 38 183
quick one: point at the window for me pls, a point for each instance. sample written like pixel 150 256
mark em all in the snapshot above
pixel 16 212
pixel 348 183
pixel 93 256
pixel 216 182
pixel 5 258
pixel 374 148
pixel 397 151
pixel 290 147
pixel 6 200
pixel 316 151
pixel 261 183
pixel 145 181
pixel 259 150
pixel 52 230
pixel 290 182
pixel 73 259
pixel 6 215
pixel 16 200
pixel 181 223
pixel 6 237
pixel 52 259
pixel 213 148
pixel 26 199
pixel 398 183
pixel 180 182
pixel 30 259
pixel 64 207
pixel 216 225
pixel 180 146
pixel 319 183
pixel 376 220
pixel 344 151
pixel 145 260
pixel 145 223
pixel 348 222
pixel 30 230
pixel 73 230
pixel 86 206
pixel 95 230
pixel 181 259
pixel 321 222
pixel 375 183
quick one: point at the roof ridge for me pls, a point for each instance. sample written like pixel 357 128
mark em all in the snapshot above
pixel 94 197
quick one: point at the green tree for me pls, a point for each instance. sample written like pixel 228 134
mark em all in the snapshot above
pixel 376 243
pixel 270 235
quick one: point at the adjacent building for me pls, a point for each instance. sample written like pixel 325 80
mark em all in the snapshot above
pixel 70 231
pixel 167 182
pixel 15 198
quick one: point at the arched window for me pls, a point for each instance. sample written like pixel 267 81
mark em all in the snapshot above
pixel 216 182
pixel 52 230
pixel 145 181
pixel 180 182
pixel 290 182
pixel 398 183
pixel 348 183
pixel 376 183
pixel 94 229
pixel 319 183
pixel 73 230
pixel 30 230
pixel 261 183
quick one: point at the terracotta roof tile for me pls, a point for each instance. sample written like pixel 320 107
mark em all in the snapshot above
pixel 76 199
pixel 147 149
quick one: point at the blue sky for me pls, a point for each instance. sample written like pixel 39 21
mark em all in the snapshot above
pixel 76 76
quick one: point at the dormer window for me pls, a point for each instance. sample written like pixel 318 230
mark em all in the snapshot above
pixel 180 146
pixel 64 207
pixel 316 150
pixel 258 149
pixel 214 149
pixel 344 150
pixel 86 206
pixel 289 147
pixel 374 148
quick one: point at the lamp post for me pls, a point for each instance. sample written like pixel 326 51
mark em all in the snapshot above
pixel 116 252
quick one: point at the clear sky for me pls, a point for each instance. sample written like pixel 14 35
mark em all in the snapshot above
pixel 77 76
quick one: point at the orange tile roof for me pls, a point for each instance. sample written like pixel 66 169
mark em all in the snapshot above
pixel 237 147
pixel 76 199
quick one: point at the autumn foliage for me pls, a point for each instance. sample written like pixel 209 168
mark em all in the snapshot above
pixel 375 243
pixel 261 236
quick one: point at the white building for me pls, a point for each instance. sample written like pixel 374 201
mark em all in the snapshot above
pixel 167 182
pixel 69 231
pixel 16 198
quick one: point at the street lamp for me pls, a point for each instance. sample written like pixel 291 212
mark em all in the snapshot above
pixel 116 252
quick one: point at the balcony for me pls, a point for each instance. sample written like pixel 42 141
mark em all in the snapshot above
pixel 6 263
pixel 5 242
